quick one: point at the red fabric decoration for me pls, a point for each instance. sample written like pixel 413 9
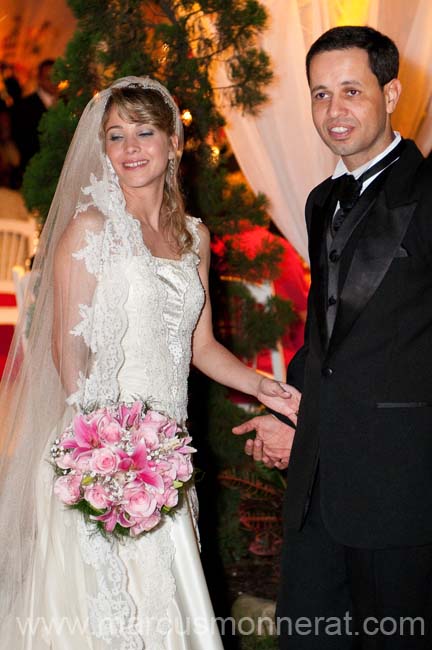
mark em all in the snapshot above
pixel 6 331
pixel 7 300
pixel 292 283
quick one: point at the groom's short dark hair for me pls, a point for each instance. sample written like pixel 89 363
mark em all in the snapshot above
pixel 382 52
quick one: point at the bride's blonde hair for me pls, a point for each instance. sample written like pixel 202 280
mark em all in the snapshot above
pixel 140 105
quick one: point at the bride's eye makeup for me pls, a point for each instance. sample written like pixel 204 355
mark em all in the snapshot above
pixel 145 132
pixel 141 133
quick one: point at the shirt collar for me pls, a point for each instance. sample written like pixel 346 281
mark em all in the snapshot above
pixel 342 169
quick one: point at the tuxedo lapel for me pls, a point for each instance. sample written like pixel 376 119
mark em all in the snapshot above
pixel 356 215
pixel 385 226
pixel 384 230
pixel 385 219
pixel 322 208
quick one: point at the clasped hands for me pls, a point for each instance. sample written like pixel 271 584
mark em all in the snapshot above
pixel 273 440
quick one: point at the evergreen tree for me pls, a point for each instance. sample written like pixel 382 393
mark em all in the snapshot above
pixel 176 41
pixel 179 42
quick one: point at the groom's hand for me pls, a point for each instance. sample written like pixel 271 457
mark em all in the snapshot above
pixel 273 441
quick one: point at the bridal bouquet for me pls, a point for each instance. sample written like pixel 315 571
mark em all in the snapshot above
pixel 122 466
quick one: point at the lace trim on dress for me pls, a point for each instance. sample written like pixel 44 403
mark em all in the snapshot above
pixel 85 327
pixel 153 555
pixel 91 254
pixel 111 610
pixel 102 332
pixel 113 615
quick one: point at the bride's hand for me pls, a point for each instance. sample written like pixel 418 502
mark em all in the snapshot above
pixel 279 397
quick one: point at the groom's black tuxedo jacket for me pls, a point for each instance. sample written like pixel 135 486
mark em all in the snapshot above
pixel 366 412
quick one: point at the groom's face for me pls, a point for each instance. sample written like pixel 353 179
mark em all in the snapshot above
pixel 350 110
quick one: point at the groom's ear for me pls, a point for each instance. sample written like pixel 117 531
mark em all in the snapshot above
pixel 392 91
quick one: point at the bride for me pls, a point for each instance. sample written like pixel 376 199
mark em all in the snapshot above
pixel 122 307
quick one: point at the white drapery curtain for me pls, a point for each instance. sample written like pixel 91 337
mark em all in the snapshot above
pixel 279 151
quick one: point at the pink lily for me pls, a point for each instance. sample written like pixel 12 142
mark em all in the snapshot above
pixel 185 448
pixel 112 517
pixel 86 436
pixel 128 414
pixel 138 463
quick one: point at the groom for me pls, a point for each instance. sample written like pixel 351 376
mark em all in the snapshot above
pixel 357 557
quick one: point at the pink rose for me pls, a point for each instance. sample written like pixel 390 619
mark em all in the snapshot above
pixel 145 524
pixel 138 502
pixel 66 462
pixel 67 488
pixel 153 421
pixel 110 431
pixel 169 474
pixel 104 461
pixel 146 434
pixel 183 466
pixel 83 462
pixel 171 497
pixel 97 496
pixel 155 416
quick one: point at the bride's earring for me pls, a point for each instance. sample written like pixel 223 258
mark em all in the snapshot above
pixel 171 166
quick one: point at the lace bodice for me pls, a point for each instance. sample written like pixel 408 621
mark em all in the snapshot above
pixel 139 325
pixel 164 302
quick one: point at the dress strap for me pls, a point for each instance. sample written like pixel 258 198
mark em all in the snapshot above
pixel 192 226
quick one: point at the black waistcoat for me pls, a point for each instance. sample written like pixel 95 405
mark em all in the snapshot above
pixel 337 258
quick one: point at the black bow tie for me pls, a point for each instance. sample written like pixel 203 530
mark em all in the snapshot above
pixel 348 188
pixel 349 191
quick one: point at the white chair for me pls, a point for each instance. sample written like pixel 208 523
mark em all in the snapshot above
pixel 17 240
pixel 20 279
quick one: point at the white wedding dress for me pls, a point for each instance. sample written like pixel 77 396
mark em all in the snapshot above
pixel 148 593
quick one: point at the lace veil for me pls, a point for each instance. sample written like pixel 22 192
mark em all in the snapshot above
pixel 51 369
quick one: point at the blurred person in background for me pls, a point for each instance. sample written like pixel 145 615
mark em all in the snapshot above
pixel 9 154
pixel 28 113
